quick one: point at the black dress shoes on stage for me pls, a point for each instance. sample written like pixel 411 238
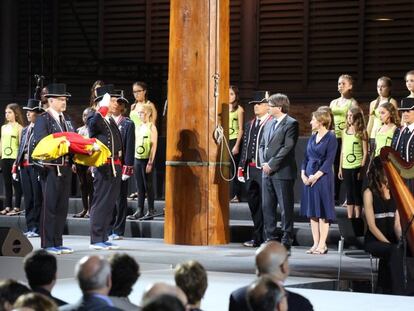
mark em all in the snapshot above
pixel 252 243
pixel 137 215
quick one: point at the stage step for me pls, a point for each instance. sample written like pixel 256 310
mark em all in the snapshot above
pixel 240 230
pixel 238 211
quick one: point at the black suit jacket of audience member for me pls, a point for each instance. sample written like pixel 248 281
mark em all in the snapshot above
pixel 296 302
pixel 89 303
pixel 43 291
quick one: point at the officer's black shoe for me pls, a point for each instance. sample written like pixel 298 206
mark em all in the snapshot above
pixel 137 215
pixel 251 243
pixel 148 216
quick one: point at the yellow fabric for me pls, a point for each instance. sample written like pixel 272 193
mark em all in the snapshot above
pixel 50 148
pixel 233 124
pixel 97 158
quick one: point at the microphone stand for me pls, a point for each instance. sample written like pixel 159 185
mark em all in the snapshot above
pixel 403 241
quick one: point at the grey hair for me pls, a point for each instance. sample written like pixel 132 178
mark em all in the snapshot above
pixel 273 265
pixel 280 100
pixel 95 281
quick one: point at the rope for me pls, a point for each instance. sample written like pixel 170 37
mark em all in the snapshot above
pixel 218 132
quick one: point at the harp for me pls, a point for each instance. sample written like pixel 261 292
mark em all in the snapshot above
pixel 396 169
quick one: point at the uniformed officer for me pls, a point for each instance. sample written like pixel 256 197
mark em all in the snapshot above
pixel 403 139
pixel 107 178
pixel 24 170
pixel 56 175
pixel 249 166
pixel 127 129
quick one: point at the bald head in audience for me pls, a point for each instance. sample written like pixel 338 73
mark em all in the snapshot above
pixel 161 288
pixel 94 275
pixel 272 260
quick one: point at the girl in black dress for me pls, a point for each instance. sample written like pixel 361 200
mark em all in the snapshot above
pixel 384 229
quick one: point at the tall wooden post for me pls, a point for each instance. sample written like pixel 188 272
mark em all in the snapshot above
pixel 196 197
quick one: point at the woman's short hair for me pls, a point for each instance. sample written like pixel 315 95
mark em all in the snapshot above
pixel 324 116
pixel 191 277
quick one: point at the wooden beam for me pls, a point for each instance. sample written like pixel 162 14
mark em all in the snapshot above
pixel 197 198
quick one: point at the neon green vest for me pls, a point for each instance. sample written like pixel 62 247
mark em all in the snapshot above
pixel 351 151
pixel 10 140
pixel 233 124
pixel 383 139
pixel 339 113
pixel 133 115
pixel 376 124
pixel 143 141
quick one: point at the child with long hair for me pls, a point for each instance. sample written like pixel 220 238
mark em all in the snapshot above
pixel 146 137
pixel 353 157
pixel 384 85
pixel 390 121
pixel 339 107
pixel 236 121
pixel 10 138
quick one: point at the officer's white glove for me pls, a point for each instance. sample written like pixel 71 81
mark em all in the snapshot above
pixel 240 175
pixel 15 177
pixel 125 177
pixel 105 101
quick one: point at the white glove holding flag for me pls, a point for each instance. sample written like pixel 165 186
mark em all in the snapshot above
pixel 240 174
pixel 105 101
pixel 125 177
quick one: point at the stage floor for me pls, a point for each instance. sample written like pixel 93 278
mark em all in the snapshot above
pixel 229 267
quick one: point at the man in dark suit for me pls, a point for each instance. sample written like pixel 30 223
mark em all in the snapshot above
pixel 41 268
pixel 56 175
pixel 403 139
pixel 127 129
pixel 29 176
pixel 107 177
pixel 277 157
pixel 250 170
pixel 94 277
pixel 271 261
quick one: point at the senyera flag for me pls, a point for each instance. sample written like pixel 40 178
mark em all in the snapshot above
pixel 86 151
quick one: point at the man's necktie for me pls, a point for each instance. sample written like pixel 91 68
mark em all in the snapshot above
pixel 62 123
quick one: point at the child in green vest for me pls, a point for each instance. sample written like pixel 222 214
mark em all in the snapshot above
pixel 353 157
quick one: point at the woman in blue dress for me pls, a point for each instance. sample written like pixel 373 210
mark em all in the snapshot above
pixel 317 201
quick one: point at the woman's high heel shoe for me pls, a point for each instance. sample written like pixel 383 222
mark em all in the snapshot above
pixel 311 250
pixel 321 251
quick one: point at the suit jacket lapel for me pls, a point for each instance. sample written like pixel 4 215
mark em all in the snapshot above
pixel 278 128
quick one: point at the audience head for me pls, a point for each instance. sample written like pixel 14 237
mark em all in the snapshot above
pixel 161 288
pixel 124 274
pixel 266 295
pixel 35 302
pixel 272 260
pixel 278 104
pixel 191 277
pixel 164 302
pixel 40 268
pixel 94 275
pixel 10 290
